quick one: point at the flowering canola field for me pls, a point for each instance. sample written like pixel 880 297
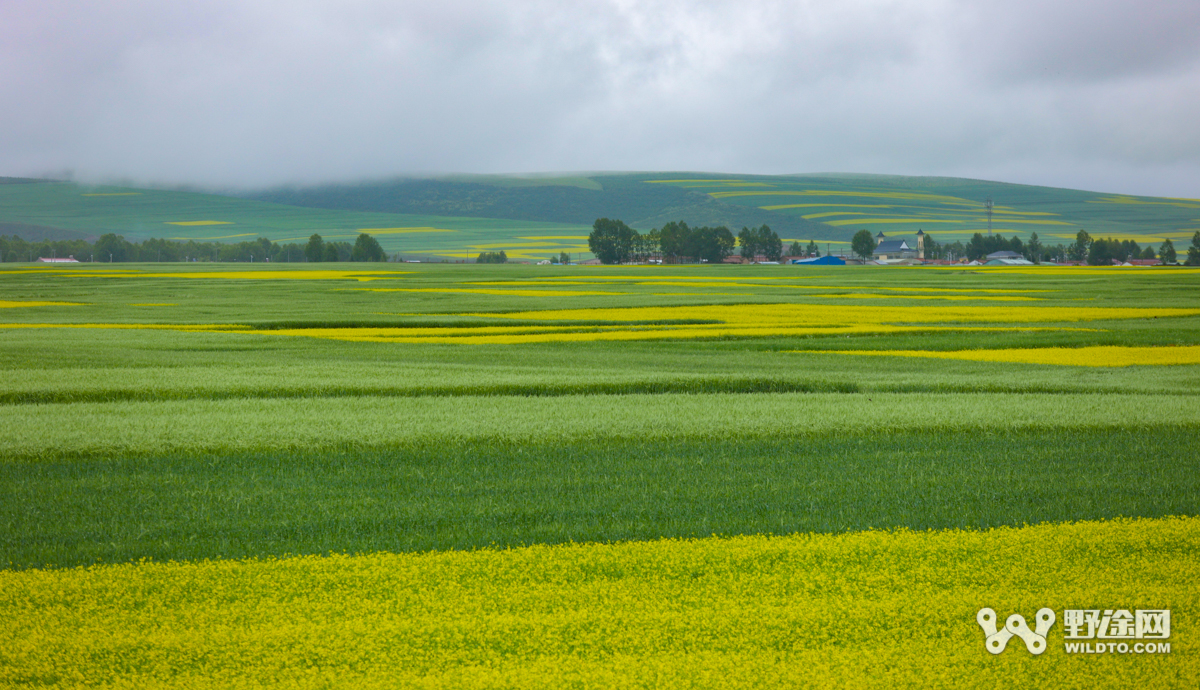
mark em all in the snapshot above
pixel 745 320
pixel 858 610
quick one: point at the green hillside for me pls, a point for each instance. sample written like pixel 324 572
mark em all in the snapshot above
pixel 826 207
pixel 537 216
pixel 58 210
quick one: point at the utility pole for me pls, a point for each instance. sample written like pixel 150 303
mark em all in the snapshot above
pixel 988 205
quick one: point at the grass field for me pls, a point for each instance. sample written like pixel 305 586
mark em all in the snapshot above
pixel 521 476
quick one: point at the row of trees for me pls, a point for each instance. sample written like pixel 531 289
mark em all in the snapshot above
pixel 492 258
pixel 614 242
pixel 1096 252
pixel 1102 252
pixel 111 247
pixel 760 241
pixel 811 250
pixel 365 248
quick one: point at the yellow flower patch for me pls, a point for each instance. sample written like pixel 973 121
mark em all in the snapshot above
pixel 402 231
pixel 859 610
pixel 761 315
pixel 973 298
pixel 1096 356
pixel 867 221
pixel 486 291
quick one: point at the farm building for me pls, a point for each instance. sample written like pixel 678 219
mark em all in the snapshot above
pixel 68 260
pixel 819 261
pixel 1006 258
pixel 889 250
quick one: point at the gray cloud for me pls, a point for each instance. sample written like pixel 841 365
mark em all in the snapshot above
pixel 262 92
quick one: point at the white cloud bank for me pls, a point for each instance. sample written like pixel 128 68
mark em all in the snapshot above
pixel 1102 95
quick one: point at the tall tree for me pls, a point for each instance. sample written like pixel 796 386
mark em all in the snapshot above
pixel 1083 242
pixel 813 249
pixel 863 244
pixel 315 249
pixel 711 244
pixel 977 248
pixel 111 247
pixel 673 239
pixel 1166 253
pixel 771 244
pixel 1194 250
pixel 366 248
pixel 749 241
pixel 611 241
pixel 1100 253
pixel 1033 250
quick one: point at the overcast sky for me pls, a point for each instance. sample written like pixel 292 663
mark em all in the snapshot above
pixel 1101 95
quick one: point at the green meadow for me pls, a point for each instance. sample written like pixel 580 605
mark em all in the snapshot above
pixel 225 411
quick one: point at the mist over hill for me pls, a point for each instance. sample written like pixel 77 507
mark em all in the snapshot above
pixel 537 216
pixel 542 198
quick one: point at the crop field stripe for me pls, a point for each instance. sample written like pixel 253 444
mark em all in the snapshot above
pixel 859 610
pixel 1084 356
pixel 436 493
pixel 77 429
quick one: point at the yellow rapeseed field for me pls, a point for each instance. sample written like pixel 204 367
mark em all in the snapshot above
pixel 910 196
pixel 859 610
pixel 505 292
pixel 660 323
pixel 1096 356
pixel 403 230
pixel 971 298
pixel 867 221
pixel 1073 270
pixel 762 315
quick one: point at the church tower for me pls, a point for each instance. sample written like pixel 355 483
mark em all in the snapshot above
pixel 921 244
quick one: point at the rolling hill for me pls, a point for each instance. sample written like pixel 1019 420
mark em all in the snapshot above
pixel 539 215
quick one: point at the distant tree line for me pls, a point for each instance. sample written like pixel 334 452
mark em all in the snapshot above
pixel 365 248
pixel 761 240
pixel 111 247
pixel 492 258
pixel 1095 252
pixel 614 242
pixel 811 250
